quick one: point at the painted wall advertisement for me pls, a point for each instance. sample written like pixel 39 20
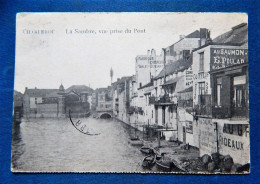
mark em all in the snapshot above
pixel 207 136
pixel 234 141
pixel 189 127
pixel 222 57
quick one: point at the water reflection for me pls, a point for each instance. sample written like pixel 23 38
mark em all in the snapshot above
pixel 55 145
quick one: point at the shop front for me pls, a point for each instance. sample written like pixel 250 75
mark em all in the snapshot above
pixel 229 83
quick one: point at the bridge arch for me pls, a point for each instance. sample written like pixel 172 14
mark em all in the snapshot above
pixel 105 115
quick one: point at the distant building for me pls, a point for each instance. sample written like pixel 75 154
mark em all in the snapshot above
pixel 121 98
pixel 18 106
pixel 102 100
pixel 56 102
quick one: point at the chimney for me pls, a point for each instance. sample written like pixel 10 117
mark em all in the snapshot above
pixel 148 52
pixel 202 36
pixel 153 53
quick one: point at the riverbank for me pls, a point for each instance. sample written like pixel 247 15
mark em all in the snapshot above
pixel 185 158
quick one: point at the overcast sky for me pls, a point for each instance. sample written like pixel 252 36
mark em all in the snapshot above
pixel 44 60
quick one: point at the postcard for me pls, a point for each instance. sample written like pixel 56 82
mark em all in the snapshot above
pixel 131 93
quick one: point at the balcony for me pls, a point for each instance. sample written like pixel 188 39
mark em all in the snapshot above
pixel 205 108
pixel 152 100
pixel 221 112
pixel 164 100
pixel 185 103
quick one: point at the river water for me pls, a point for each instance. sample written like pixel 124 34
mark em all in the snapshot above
pixel 55 145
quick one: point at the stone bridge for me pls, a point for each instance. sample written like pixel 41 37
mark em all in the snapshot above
pixel 104 114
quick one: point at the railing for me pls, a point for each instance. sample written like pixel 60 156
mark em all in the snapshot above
pixel 161 100
pixel 203 110
pixel 221 112
pixel 104 109
pixel 185 103
pixel 204 107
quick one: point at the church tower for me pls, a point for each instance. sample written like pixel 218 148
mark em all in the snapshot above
pixel 61 102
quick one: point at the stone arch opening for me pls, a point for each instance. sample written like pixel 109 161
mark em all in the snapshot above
pixel 105 116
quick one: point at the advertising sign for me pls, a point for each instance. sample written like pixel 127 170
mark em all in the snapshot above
pixel 189 127
pixel 207 136
pixel 222 57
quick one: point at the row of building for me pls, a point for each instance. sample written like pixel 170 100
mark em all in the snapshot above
pixel 52 103
pixel 194 92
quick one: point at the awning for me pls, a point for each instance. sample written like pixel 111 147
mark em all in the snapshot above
pixel 171 81
pixel 147 93
pixel 190 89
pixel 165 130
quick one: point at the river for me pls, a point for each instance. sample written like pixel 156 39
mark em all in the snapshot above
pixel 54 145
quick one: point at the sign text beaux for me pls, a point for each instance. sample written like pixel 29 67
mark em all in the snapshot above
pixel 222 58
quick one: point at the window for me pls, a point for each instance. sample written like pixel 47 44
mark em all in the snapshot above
pixel 218 92
pixel 201 69
pixel 201 88
pixel 186 53
pixel 35 101
pixel 240 96
pixel 239 91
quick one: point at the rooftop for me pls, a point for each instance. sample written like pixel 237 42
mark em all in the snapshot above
pixel 174 67
pixel 237 35
pixel 40 92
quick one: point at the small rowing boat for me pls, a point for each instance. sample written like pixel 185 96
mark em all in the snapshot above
pixel 148 161
pixel 146 150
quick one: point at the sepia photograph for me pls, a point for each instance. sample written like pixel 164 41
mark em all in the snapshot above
pixel 131 93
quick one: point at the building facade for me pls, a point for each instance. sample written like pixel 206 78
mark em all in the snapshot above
pixel 42 103
pixel 220 95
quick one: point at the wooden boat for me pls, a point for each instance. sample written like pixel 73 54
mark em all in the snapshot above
pixel 149 161
pixel 134 138
pixel 164 165
pixel 136 142
pixel 146 150
pixel 177 167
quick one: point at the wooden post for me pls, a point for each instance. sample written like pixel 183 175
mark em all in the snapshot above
pixel 159 141
pixel 147 131
pixel 143 131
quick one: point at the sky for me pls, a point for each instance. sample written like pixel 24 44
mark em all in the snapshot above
pixel 85 46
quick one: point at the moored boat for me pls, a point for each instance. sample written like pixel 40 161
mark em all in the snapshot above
pixel 135 142
pixel 164 165
pixel 147 150
pixel 149 161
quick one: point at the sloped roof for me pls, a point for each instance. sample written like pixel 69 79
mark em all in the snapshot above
pixel 189 89
pixel 18 98
pixel 40 92
pixel 79 89
pixel 122 80
pixel 171 81
pixel 147 85
pixel 195 34
pixel 18 94
pixel 238 35
pixel 174 67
